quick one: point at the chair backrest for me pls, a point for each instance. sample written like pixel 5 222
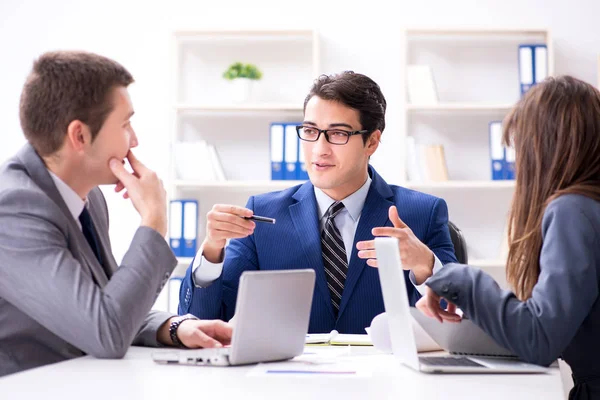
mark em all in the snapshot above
pixel 460 245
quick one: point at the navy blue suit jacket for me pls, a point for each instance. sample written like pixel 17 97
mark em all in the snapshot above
pixel 294 242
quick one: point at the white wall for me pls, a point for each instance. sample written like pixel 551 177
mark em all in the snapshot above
pixel 358 35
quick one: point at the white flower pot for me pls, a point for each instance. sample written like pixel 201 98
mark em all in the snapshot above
pixel 241 89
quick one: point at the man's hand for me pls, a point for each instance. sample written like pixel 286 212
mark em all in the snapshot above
pixel 415 255
pixel 204 333
pixel 194 333
pixel 225 222
pixel 429 305
pixel 145 190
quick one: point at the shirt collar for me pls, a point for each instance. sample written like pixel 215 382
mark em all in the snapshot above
pixel 74 203
pixel 353 203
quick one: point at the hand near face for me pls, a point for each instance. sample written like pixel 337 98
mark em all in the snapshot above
pixel 415 255
pixel 225 222
pixel 145 190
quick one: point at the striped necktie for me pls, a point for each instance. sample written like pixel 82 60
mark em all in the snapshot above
pixel 334 256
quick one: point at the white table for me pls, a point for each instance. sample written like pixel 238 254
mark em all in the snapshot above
pixel 138 377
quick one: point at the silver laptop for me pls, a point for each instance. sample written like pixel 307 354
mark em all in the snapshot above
pixel 395 299
pixel 271 322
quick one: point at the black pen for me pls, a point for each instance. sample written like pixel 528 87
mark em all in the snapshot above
pixel 261 219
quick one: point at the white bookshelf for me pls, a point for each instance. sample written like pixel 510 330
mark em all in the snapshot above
pixel 240 108
pixel 465 184
pixel 467 107
pixel 477 80
pixel 236 186
pixel 203 108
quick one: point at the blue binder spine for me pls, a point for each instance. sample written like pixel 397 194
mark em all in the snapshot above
pixel 290 145
pixel 190 228
pixel 302 171
pixel 526 68
pixel 176 227
pixel 540 62
pixel 276 144
pixel 497 155
pixel 509 165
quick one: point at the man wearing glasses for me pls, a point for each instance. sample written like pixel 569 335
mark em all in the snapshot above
pixel 326 224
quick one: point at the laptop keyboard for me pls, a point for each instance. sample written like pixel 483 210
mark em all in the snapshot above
pixel 449 362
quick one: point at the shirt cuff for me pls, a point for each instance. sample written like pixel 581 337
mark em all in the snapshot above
pixel 437 265
pixel 204 273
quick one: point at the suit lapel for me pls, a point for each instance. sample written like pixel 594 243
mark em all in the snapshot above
pixel 374 214
pixel 306 222
pixel 39 174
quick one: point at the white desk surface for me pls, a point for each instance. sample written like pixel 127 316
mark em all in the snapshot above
pixel 138 377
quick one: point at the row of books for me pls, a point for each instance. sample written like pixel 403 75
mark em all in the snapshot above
pixel 199 160
pixel 425 162
pixel 287 157
pixel 502 157
pixel 428 162
pixel 533 68
pixel 183 227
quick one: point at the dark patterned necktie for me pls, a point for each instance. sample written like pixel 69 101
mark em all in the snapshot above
pixel 334 256
pixel 87 226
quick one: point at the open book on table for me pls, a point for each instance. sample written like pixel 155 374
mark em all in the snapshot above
pixel 334 338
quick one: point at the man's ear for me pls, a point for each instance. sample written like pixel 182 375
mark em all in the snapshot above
pixel 373 142
pixel 78 135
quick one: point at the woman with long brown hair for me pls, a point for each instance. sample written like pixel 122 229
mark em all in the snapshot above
pixel 554 236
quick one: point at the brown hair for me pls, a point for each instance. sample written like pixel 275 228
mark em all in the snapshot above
pixel 66 86
pixel 555 130
pixel 356 91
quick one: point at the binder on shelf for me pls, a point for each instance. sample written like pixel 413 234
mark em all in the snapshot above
pixel 420 85
pixel 302 171
pixel 533 65
pixel 190 228
pixel 173 294
pixel 540 62
pixel 509 163
pixel 497 155
pixel 276 143
pixel 526 73
pixel 290 158
pixel 176 227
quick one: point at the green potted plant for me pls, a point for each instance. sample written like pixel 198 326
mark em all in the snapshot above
pixel 242 77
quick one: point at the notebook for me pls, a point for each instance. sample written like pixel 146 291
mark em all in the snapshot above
pixel 334 338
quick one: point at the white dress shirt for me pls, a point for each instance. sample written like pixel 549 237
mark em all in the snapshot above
pixel 204 272
pixel 74 203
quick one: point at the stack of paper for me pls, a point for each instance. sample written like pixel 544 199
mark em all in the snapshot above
pixel 420 85
pixel 197 161
pixel 425 162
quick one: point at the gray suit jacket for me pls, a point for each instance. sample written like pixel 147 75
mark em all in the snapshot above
pixel 56 301
pixel 562 317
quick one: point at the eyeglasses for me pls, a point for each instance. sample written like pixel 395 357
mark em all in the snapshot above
pixel 333 136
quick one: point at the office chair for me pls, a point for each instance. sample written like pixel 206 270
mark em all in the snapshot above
pixel 460 245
